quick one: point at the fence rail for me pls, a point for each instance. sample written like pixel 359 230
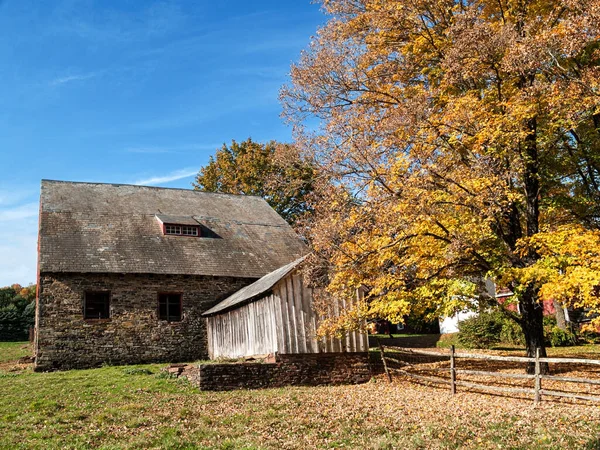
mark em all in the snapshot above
pixel 453 382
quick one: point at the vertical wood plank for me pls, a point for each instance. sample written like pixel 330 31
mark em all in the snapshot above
pixel 355 336
pixel 260 332
pixel 286 316
pixel 452 371
pixel 209 344
pixel 248 332
pixel 327 340
pixel 301 328
pixel 292 315
pixel 273 317
pixel 364 347
pixel 538 377
pixel 346 345
pixel 385 367
pixel 281 323
pixel 310 324
pixel 336 342
pixel 219 336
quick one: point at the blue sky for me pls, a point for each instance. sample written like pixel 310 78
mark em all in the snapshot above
pixel 130 91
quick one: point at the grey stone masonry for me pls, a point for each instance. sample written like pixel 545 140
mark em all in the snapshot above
pixel 133 334
pixel 303 369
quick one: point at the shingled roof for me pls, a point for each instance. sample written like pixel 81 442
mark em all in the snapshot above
pixel 111 228
pixel 254 291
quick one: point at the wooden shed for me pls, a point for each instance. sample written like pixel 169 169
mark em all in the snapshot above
pixel 273 315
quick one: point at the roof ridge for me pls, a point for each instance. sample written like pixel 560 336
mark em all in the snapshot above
pixel 151 187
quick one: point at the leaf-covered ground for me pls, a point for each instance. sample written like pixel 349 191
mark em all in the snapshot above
pixel 128 407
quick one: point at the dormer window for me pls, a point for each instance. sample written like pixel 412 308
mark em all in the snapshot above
pixel 178 225
pixel 182 230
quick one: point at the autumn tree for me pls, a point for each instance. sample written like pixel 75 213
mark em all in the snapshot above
pixel 463 141
pixel 271 170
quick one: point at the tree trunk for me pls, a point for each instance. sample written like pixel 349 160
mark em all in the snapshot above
pixel 532 311
pixel 532 323
pixel 561 320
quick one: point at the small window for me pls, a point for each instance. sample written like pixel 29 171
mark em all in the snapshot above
pixel 172 229
pixel 181 230
pixel 96 305
pixel 189 231
pixel 169 307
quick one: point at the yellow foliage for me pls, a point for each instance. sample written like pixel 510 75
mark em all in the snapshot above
pixel 460 140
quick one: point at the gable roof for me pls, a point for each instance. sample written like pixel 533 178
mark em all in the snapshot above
pixel 111 228
pixel 254 290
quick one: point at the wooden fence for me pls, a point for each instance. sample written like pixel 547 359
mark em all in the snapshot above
pixel 398 356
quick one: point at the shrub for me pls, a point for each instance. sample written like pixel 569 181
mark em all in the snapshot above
pixel 559 338
pixel 555 336
pixel 511 332
pixel 481 331
pixel 588 337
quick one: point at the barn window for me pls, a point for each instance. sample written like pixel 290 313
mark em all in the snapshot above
pixel 169 307
pixel 181 230
pixel 96 305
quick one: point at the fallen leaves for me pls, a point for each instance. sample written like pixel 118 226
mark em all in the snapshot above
pixel 110 408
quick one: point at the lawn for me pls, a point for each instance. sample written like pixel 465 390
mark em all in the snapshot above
pixel 11 351
pixel 138 407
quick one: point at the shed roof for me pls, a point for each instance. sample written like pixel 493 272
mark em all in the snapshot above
pixel 113 228
pixel 254 290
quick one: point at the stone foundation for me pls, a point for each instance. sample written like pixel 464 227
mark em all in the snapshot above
pixel 305 369
pixel 133 334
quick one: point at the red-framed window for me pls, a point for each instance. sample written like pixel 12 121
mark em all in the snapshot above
pixel 181 230
pixel 170 306
pixel 96 305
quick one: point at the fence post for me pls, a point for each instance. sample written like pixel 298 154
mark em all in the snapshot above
pixel 538 379
pixel 385 367
pixel 452 371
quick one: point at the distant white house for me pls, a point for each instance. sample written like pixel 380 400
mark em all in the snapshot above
pixel 450 324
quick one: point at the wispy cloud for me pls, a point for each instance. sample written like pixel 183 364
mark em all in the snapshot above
pixel 19 212
pixel 71 78
pixel 18 266
pixel 109 25
pixel 16 196
pixel 173 176
pixel 18 241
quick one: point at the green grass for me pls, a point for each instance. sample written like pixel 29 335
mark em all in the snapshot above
pixel 591 351
pixel 11 351
pixel 394 335
pixel 136 407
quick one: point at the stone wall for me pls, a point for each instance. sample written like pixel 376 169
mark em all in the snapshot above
pixel 133 334
pixel 290 370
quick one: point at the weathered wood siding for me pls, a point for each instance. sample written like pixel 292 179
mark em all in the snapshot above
pixel 245 331
pixel 297 322
pixel 283 321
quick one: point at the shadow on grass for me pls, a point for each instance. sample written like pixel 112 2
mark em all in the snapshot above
pixel 406 341
pixel 594 444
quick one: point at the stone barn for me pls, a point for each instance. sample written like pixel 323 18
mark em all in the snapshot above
pixel 125 272
pixel 275 315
